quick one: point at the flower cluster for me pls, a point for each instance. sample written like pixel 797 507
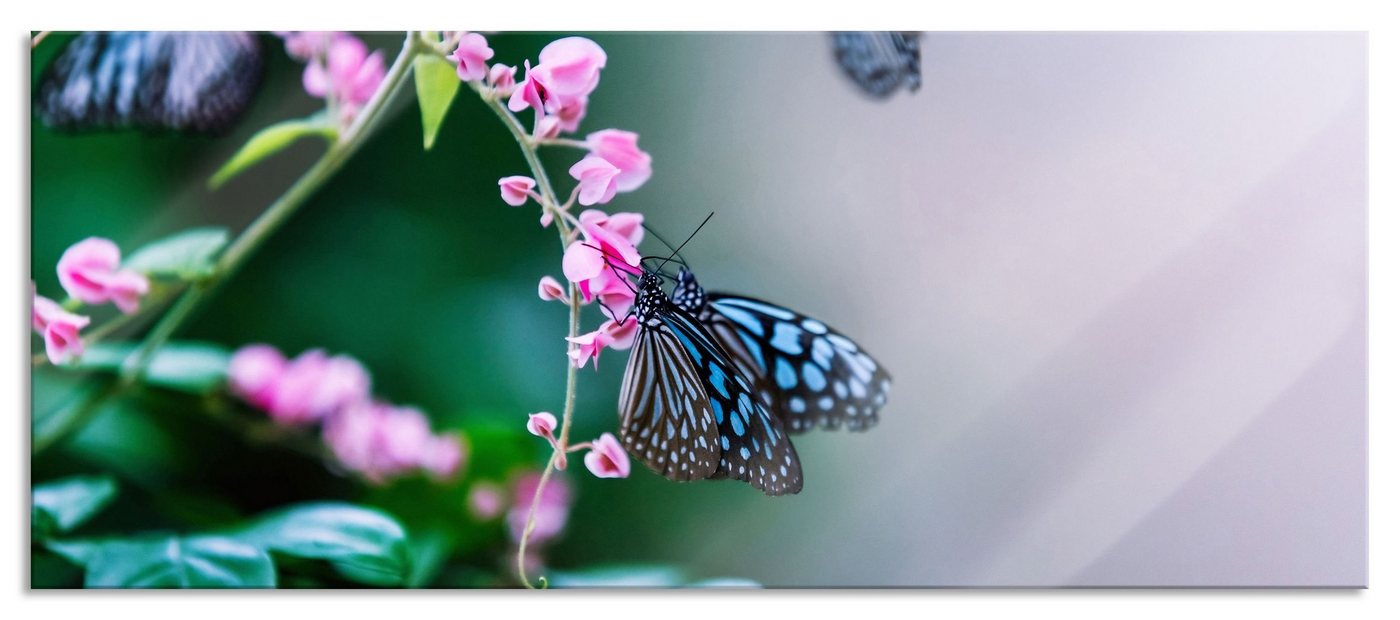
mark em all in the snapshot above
pixel 374 439
pixel 91 273
pixel 339 69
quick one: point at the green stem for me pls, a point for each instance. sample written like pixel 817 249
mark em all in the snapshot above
pixel 250 239
pixel 530 149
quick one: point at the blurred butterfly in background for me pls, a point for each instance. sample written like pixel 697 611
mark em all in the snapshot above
pixel 714 366
pixel 879 62
pixel 182 81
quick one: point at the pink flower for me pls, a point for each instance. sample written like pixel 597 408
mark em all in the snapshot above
pixel 597 180
pixel 380 442
pixel 253 373
pixel 515 190
pixel 622 334
pixel 485 501
pixel 530 94
pixel 590 345
pixel 619 148
pixel 471 56
pixel 348 74
pixel 610 334
pixel 59 328
pixel 571 114
pixel 569 70
pixel 553 512
pixel 501 77
pixel 88 270
pixel 442 456
pixel 313 386
pixel 304 46
pixel 550 289
pixel 541 424
pixel 546 128
pixel 607 459
pixel 602 273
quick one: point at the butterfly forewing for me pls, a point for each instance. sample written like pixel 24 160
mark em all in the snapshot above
pixel 666 418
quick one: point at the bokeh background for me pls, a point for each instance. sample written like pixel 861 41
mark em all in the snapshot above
pixel 1118 278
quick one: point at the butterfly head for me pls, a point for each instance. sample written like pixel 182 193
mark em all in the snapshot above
pixel 650 296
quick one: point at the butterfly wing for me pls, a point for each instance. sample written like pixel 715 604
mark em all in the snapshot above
pixel 808 373
pixel 879 62
pixel 667 422
pixel 748 441
pixel 185 81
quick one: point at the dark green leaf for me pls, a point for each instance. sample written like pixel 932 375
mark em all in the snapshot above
pixel 63 505
pixel 362 544
pixel 191 367
pixel 271 140
pixel 169 562
pixel 188 255
pixel 437 84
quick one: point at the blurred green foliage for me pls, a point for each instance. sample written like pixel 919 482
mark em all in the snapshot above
pixel 408 261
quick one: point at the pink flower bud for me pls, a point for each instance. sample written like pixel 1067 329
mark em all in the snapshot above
pixel 541 424
pixel 547 128
pixel 607 459
pixel 471 56
pixel 550 289
pixel 501 78
pixel 515 190
pixel 485 501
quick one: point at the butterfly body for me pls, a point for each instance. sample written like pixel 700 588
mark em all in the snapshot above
pixel 808 374
pixel 689 412
pixel 183 81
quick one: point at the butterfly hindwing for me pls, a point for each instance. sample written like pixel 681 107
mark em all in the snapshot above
pixel 185 81
pixel 807 373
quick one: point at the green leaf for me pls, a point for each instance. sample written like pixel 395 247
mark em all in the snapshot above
pixel 271 140
pixel 192 367
pixel 63 505
pixel 437 83
pixel 188 255
pixel 362 544
pixel 169 562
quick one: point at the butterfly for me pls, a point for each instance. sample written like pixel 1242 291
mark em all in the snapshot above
pixel 807 373
pixel 183 81
pixel 879 62
pixel 689 412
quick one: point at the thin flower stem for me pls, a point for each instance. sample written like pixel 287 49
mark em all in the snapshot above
pixel 578 144
pixel 530 149
pixel 258 232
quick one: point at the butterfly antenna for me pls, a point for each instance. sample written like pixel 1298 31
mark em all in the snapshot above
pixel 668 245
pixel 676 251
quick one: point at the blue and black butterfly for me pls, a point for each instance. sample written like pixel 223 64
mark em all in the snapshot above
pixel 689 412
pixel 879 62
pixel 183 81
